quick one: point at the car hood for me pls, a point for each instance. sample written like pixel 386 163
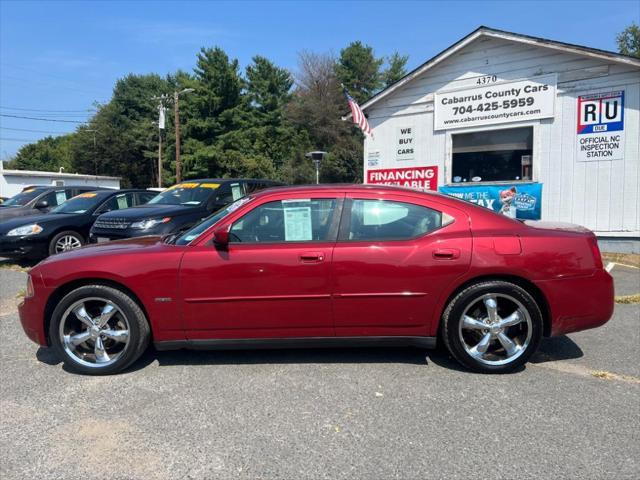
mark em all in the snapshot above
pixel 41 219
pixel 151 211
pixel 13 212
pixel 133 245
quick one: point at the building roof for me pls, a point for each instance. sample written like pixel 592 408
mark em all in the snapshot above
pixel 35 173
pixel 483 31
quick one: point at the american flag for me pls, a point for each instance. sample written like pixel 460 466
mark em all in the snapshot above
pixel 357 114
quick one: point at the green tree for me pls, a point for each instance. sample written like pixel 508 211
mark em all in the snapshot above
pixel 359 70
pixel 215 110
pixel 395 70
pixel 629 41
pixel 125 133
pixel 47 154
pixel 316 110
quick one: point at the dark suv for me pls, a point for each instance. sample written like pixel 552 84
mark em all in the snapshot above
pixel 175 209
pixel 38 200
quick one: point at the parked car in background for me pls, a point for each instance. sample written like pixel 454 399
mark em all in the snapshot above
pixel 175 209
pixel 38 200
pixel 325 265
pixel 67 226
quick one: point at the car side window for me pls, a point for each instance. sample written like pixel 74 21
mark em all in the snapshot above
pixel 143 197
pixel 375 220
pixel 297 220
pixel 55 198
pixel 124 200
pixel 229 193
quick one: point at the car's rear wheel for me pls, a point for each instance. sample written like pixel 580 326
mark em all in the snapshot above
pixel 98 330
pixel 492 327
pixel 65 241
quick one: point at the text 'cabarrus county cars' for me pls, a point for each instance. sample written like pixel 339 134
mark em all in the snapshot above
pixel 66 227
pixel 176 209
pixel 326 265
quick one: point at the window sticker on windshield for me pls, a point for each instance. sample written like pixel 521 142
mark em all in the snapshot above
pixel 297 224
pixel 210 185
pixel 61 197
pixel 86 195
pixel 122 201
pixel 28 191
pixel 236 191
pixel 183 185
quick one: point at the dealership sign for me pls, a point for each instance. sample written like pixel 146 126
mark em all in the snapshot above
pixel 421 178
pixel 496 103
pixel 600 131
pixel 521 200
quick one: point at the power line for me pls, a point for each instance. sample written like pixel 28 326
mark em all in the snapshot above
pixel 7 139
pixel 33 131
pixel 50 111
pixel 41 119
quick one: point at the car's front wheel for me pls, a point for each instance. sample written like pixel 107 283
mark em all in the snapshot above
pixel 98 330
pixel 492 326
pixel 65 241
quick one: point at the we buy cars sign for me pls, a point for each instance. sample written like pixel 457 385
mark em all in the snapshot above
pixel 420 178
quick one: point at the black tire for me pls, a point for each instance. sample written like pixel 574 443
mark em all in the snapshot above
pixel 454 312
pixel 66 233
pixel 139 331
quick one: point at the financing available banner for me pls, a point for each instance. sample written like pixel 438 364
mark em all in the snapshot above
pixel 521 200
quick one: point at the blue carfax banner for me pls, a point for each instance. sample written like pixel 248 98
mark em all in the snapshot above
pixel 520 200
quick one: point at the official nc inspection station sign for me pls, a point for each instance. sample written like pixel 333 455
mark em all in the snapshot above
pixel 500 102
pixel 521 200
pixel 600 132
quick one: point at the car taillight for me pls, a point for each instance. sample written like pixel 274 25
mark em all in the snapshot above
pixel 30 291
pixel 595 250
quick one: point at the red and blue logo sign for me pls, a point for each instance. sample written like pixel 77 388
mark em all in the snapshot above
pixel 601 112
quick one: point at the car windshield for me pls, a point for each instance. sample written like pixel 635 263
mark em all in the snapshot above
pixel 185 194
pixel 196 231
pixel 22 198
pixel 78 204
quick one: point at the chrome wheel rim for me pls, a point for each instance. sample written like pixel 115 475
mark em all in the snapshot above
pixel 495 329
pixel 94 332
pixel 66 243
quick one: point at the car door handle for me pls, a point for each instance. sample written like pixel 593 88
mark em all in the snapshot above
pixel 311 257
pixel 446 253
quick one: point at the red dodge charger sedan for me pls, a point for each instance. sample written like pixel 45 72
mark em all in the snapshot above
pixel 325 266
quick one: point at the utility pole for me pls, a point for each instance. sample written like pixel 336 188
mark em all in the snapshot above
pixel 176 111
pixel 176 96
pixel 162 110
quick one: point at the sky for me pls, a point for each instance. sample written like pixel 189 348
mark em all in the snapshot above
pixel 57 58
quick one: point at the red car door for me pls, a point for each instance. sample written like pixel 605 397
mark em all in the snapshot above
pixel 394 257
pixel 274 278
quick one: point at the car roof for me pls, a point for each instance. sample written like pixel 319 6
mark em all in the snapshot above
pixel 347 187
pixel 228 180
pixel 109 191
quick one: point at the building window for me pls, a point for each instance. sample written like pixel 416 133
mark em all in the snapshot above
pixel 494 155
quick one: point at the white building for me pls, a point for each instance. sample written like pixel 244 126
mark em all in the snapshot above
pixel 13 182
pixel 527 126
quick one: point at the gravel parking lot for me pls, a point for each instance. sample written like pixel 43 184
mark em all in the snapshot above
pixel 574 412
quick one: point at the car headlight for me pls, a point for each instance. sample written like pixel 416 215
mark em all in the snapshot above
pixel 147 224
pixel 31 229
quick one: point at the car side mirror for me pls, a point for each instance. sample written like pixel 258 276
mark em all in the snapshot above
pixel 41 204
pixel 221 237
